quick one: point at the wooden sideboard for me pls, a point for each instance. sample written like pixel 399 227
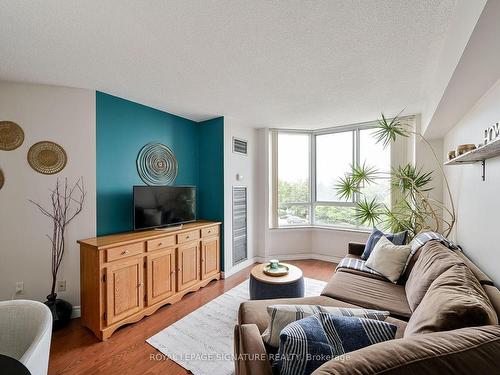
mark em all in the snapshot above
pixel 124 277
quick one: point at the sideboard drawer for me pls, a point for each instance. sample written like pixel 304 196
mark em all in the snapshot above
pixel 161 243
pixel 188 236
pixel 121 252
pixel 211 231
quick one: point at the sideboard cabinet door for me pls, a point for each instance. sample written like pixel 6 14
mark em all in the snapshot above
pixel 124 289
pixel 188 271
pixel 209 257
pixel 161 275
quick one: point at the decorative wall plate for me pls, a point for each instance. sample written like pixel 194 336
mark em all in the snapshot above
pixel 156 164
pixel 47 157
pixel 11 135
pixel 2 179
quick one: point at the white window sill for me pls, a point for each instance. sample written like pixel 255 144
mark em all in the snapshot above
pixel 331 228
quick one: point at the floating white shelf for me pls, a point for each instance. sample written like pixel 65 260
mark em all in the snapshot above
pixel 479 155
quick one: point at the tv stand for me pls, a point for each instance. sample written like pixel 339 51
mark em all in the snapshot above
pixel 125 277
pixel 169 229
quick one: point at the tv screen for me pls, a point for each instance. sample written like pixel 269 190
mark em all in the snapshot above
pixel 161 206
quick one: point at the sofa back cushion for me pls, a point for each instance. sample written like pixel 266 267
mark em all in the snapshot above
pixel 434 259
pixel 454 300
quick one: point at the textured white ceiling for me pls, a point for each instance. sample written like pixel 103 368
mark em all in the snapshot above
pixel 263 62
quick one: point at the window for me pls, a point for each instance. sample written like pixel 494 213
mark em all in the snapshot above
pixel 308 164
pixel 294 195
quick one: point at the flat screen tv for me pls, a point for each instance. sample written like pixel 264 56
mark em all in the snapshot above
pixel 163 206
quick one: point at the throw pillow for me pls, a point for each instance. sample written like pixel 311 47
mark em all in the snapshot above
pixel 388 259
pixel 282 315
pixel 396 239
pixel 308 343
pixel 454 300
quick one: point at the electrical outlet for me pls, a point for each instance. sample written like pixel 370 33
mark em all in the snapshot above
pixel 20 287
pixel 61 286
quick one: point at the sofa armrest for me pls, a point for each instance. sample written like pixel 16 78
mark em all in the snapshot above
pixel 250 352
pixel 467 351
pixel 354 248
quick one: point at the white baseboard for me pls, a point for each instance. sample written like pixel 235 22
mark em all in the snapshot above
pixel 299 256
pixel 303 256
pixel 237 268
pixel 76 313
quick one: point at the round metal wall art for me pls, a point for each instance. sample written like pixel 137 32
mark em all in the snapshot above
pixel 156 164
pixel 11 135
pixel 47 157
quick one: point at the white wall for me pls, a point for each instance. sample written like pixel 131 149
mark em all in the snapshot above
pixel 67 117
pixel 244 165
pixel 476 201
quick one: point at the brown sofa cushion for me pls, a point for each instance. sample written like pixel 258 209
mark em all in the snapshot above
pixel 461 352
pixel 250 353
pixel 480 275
pixel 494 295
pixel 454 300
pixel 255 312
pixel 368 293
pixel 434 259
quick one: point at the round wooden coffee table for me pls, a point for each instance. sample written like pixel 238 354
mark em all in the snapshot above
pixel 263 286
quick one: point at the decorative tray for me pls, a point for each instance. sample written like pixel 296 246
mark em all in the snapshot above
pixel 282 270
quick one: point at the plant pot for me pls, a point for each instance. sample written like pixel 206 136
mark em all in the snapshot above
pixel 61 311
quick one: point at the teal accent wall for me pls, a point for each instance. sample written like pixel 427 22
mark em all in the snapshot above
pixel 211 174
pixel 123 128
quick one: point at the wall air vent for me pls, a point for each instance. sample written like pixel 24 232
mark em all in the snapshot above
pixel 240 146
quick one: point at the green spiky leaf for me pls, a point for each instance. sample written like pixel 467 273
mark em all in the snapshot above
pixel 369 212
pixel 387 131
pixel 346 187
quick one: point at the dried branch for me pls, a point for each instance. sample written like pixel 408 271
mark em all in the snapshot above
pixel 66 203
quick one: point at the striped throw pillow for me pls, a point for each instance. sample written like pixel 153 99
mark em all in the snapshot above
pixel 282 315
pixel 308 343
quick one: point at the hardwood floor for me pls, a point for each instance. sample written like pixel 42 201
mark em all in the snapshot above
pixel 75 350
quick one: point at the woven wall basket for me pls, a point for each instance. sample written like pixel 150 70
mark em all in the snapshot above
pixel 47 157
pixel 11 135
pixel 156 164
pixel 2 179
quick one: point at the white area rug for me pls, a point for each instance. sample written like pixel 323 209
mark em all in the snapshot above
pixel 202 342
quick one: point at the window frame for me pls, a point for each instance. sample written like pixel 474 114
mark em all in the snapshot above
pixel 313 202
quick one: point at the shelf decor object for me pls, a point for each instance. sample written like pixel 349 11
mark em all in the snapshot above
pixel 11 135
pixel 462 149
pixel 2 179
pixel 47 157
pixel 478 155
pixel 157 165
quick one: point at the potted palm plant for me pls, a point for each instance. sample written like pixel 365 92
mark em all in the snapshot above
pixel 66 203
pixel 413 209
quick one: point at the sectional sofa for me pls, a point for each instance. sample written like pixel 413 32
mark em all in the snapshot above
pixel 445 309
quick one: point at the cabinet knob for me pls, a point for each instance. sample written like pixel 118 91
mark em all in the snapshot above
pixel 179 270
pixel 172 272
pixel 187 236
pixel 140 284
pixel 161 243
pixel 125 252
